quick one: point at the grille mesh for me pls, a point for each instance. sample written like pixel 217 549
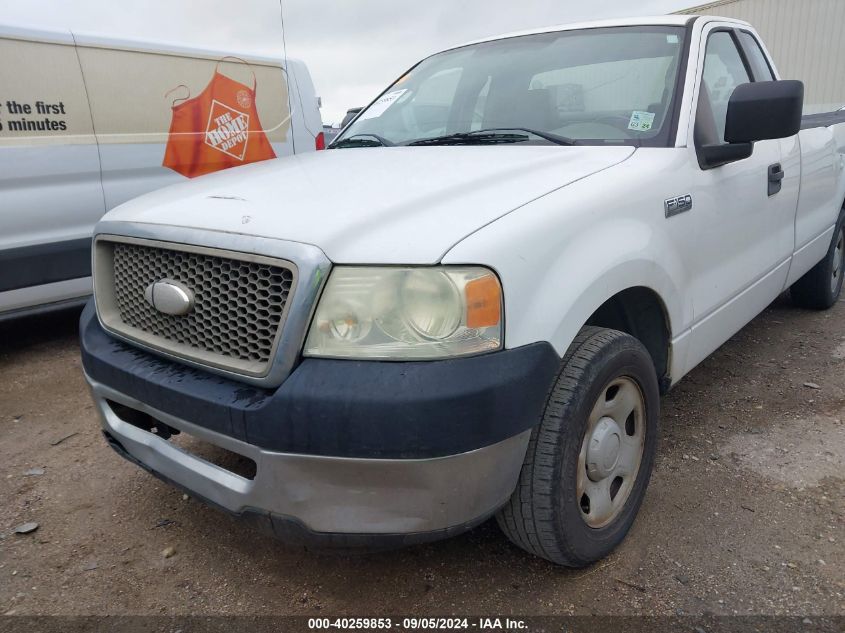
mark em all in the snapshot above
pixel 238 304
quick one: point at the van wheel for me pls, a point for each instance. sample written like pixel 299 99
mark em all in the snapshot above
pixel 820 288
pixel 590 459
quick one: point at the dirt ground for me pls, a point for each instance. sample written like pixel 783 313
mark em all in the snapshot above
pixel 745 513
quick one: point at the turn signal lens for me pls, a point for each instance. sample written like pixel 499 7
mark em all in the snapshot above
pixel 484 302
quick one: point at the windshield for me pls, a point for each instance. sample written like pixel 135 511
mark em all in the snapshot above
pixel 588 87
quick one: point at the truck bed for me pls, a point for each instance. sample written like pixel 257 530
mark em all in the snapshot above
pixel 823 119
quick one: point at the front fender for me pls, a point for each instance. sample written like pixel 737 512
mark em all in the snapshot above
pixel 562 256
pixel 600 263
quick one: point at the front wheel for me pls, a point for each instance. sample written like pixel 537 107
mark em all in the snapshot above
pixel 589 461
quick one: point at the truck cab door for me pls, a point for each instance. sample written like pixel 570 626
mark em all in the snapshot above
pixel 745 209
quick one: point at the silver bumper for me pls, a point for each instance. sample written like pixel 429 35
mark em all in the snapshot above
pixel 328 494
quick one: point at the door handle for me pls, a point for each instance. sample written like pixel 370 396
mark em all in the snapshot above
pixel 776 176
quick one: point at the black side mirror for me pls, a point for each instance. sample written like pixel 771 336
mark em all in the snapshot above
pixel 711 156
pixel 764 110
pixel 758 111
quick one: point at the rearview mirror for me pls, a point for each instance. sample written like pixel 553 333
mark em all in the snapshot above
pixel 764 110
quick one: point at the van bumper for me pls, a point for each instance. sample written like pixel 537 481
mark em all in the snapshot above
pixel 349 490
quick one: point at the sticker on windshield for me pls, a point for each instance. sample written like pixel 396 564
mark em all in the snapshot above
pixel 382 104
pixel 641 121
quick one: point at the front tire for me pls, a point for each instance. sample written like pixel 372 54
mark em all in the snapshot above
pixel 590 459
pixel 821 287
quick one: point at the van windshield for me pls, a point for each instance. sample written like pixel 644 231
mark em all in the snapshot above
pixel 588 87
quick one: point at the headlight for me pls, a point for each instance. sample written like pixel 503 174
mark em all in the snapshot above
pixel 407 313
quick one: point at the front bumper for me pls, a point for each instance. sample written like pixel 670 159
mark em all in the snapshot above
pixel 325 494
pixel 343 450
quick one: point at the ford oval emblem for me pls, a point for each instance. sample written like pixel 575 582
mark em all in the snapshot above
pixel 170 297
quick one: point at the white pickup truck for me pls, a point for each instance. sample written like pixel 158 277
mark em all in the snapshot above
pixel 528 240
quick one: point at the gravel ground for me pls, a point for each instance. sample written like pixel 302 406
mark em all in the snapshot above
pixel 745 513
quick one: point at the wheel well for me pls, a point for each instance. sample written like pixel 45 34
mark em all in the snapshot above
pixel 639 312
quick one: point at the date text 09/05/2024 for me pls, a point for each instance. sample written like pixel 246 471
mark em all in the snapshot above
pixel 424 623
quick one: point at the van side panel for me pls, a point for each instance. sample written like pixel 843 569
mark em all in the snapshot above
pixel 135 95
pixel 307 120
pixel 49 171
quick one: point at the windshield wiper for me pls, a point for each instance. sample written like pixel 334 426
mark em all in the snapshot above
pixel 363 140
pixel 472 138
pixel 493 136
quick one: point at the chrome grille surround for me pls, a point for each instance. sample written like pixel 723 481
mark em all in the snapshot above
pixel 250 319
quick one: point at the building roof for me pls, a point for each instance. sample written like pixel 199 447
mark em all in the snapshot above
pixel 659 20
pixel 705 8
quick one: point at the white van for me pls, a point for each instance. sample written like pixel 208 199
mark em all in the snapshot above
pixel 88 122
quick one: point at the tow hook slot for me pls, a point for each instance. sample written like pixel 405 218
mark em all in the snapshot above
pixel 142 420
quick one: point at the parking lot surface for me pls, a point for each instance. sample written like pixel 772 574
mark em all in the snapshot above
pixel 745 513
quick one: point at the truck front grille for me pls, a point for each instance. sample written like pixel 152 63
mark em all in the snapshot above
pixel 239 301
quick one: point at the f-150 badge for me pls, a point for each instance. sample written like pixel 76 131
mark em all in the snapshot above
pixel 674 206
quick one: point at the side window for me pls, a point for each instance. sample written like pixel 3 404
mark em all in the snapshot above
pixel 609 86
pixel 439 89
pixel 759 65
pixel 426 108
pixel 480 106
pixel 723 72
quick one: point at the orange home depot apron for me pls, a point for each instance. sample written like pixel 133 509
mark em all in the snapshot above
pixel 217 129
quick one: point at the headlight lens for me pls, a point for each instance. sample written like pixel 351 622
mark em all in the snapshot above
pixel 431 304
pixel 407 313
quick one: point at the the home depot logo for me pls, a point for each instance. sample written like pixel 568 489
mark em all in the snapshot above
pixel 227 130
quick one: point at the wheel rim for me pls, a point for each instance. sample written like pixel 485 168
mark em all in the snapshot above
pixel 611 452
pixel 838 262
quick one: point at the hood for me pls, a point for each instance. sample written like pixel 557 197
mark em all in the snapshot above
pixel 392 205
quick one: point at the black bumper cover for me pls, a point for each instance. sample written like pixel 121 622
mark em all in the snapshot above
pixel 341 408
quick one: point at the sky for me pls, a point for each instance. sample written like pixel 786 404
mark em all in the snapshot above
pixel 353 48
